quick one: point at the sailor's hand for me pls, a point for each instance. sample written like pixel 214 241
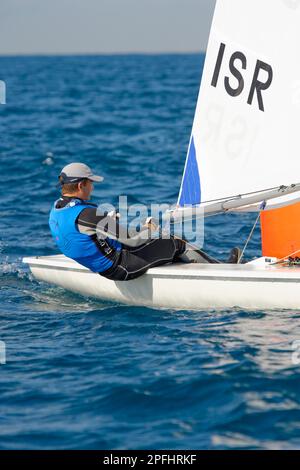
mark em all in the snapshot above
pixel 113 214
pixel 150 224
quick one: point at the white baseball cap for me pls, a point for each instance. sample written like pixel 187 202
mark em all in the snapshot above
pixel 77 171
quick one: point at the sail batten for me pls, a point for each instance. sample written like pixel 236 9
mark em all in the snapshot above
pixel 245 132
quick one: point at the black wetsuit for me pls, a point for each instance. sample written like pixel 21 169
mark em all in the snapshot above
pixel 133 262
pixel 137 254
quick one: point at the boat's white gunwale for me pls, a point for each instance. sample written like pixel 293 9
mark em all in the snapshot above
pixel 248 277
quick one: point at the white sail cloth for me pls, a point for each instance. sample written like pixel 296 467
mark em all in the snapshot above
pixel 246 130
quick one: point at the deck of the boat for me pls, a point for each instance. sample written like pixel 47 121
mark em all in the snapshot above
pixel 258 269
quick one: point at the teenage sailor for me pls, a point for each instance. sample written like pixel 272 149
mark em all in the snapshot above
pixel 81 235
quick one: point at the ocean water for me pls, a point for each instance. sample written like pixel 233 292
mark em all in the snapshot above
pixel 85 374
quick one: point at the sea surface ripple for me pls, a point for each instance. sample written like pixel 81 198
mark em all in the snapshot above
pixel 82 374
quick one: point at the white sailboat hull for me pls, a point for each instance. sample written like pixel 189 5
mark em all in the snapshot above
pixel 181 286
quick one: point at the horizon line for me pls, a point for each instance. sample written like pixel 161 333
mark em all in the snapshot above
pixel 78 54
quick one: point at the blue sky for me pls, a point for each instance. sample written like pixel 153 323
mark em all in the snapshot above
pixel 104 26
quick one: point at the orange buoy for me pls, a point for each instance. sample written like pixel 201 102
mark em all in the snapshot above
pixel 280 231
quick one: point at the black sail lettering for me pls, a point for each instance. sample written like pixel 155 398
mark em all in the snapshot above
pixel 218 65
pixel 237 74
pixel 259 86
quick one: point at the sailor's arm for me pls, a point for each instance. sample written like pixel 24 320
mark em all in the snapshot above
pixel 89 223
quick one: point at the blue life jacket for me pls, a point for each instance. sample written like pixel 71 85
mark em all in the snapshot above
pixel 96 255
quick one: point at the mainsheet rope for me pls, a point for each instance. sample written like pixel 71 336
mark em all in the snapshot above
pixel 262 208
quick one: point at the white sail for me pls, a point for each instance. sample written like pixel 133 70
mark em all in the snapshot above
pixel 246 135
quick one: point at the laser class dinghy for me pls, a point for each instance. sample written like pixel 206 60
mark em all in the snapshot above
pixel 244 155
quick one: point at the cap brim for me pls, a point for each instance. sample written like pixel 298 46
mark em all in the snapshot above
pixel 96 179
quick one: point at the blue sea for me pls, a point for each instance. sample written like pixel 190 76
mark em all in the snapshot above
pixel 85 374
